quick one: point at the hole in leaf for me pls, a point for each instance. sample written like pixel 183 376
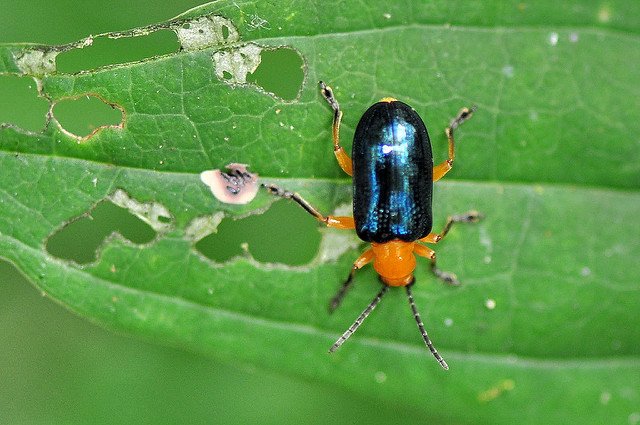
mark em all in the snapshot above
pixel 81 239
pixel 84 115
pixel 280 72
pixel 163 219
pixel 225 32
pixel 109 51
pixel 25 109
pixel 283 234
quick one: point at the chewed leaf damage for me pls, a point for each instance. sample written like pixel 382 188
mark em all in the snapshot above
pixel 192 34
pixel 233 62
pixel 82 238
pixel 154 214
pixel 39 61
pixel 222 239
pixel 99 111
pixel 234 65
pixel 205 32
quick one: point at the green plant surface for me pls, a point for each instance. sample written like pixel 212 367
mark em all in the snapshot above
pixel 99 377
pixel 551 159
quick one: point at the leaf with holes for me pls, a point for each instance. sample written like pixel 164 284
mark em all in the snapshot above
pixel 545 320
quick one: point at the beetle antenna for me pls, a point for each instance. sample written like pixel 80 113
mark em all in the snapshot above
pixel 287 194
pixel 359 320
pixel 423 331
pixel 327 93
pixel 463 115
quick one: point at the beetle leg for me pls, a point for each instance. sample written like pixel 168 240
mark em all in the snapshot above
pixel 330 220
pixel 429 253
pixel 343 159
pixel 443 168
pixel 468 217
pixel 360 262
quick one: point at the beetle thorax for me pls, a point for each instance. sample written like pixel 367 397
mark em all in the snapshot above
pixel 394 262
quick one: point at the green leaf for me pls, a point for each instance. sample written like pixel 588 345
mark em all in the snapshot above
pixel 551 159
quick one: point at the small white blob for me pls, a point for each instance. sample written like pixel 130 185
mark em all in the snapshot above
pixel 604 14
pixel 238 186
pixel 508 71
pixel 553 38
pixel 490 303
pixel 380 377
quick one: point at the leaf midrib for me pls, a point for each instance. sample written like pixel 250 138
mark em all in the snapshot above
pixel 593 30
pixel 337 181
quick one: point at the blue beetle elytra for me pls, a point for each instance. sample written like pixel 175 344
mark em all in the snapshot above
pixel 393 175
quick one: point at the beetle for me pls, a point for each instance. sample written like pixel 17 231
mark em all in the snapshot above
pixel 392 172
